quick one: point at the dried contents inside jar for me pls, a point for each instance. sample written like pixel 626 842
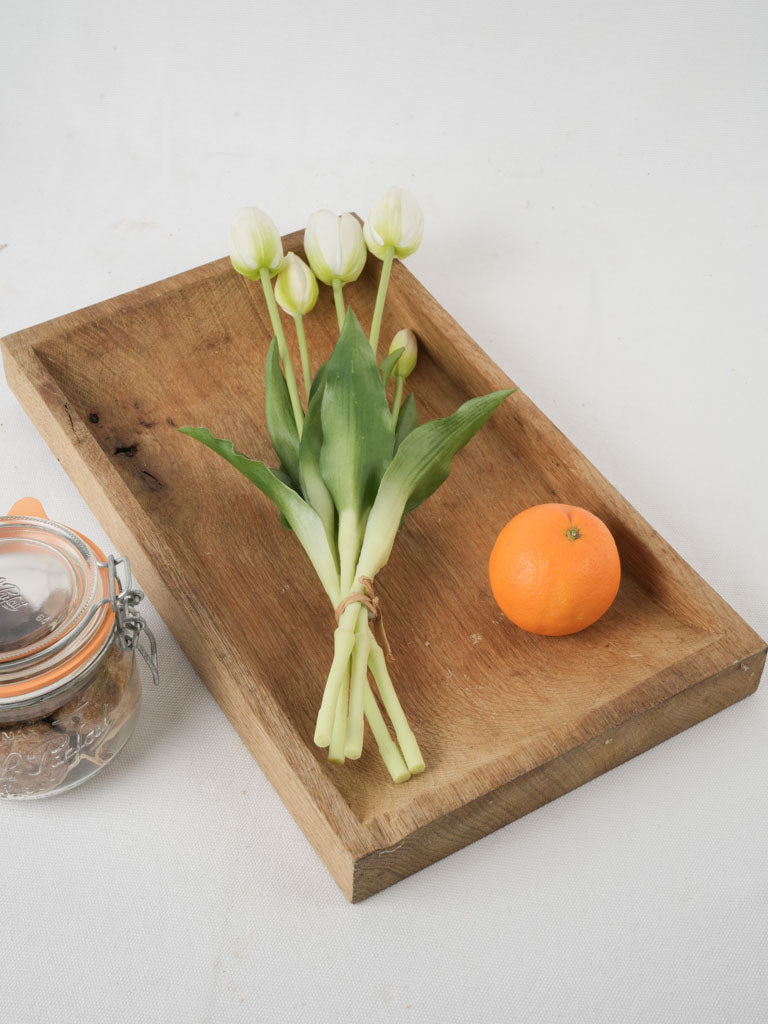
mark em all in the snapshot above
pixel 69 632
pixel 69 745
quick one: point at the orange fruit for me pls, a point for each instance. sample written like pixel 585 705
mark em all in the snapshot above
pixel 554 569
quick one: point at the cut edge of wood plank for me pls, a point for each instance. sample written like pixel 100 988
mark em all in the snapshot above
pixel 452 832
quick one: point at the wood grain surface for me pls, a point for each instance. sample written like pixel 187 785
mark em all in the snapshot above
pixel 506 720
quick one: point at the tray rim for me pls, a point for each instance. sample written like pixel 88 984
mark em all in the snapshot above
pixel 27 372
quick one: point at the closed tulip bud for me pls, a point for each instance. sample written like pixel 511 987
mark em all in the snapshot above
pixel 395 220
pixel 406 364
pixel 296 286
pixel 254 243
pixel 334 246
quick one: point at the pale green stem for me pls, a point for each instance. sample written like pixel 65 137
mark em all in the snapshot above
pixel 345 638
pixel 343 642
pixel 358 678
pixel 389 699
pixel 349 548
pixel 282 345
pixel 338 298
pixel 397 400
pixel 387 748
pixel 339 734
pixel 301 337
pixel 381 295
pixel 353 640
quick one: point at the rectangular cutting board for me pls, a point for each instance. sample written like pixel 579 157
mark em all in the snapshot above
pixel 506 720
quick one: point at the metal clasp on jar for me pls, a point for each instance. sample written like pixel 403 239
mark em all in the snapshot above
pixel 129 626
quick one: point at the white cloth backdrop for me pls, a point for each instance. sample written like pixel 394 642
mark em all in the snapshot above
pixel 593 178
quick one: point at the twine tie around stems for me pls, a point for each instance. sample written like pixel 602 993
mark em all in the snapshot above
pixel 367 597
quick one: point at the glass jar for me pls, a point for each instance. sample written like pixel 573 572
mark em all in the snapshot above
pixel 69 682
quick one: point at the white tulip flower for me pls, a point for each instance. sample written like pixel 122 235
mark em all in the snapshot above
pixel 395 221
pixel 256 251
pixel 296 286
pixel 254 243
pixel 335 247
pixel 296 292
pixel 406 364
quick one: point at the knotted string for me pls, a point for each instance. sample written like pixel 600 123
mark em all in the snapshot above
pixel 367 597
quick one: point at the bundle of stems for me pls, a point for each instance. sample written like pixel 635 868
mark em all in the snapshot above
pixel 351 466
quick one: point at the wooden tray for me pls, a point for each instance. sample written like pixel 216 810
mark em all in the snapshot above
pixel 506 720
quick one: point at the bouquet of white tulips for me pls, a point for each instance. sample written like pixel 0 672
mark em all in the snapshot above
pixel 351 465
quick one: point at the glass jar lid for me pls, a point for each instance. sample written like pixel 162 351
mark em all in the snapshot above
pixel 55 613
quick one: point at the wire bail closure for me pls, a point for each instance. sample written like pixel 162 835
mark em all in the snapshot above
pixel 123 599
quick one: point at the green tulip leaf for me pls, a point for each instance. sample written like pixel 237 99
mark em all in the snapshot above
pixel 407 421
pixel 424 458
pixel 421 465
pixel 281 424
pixel 312 483
pixel 358 436
pixel 300 516
pixel 283 475
pixel 387 365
